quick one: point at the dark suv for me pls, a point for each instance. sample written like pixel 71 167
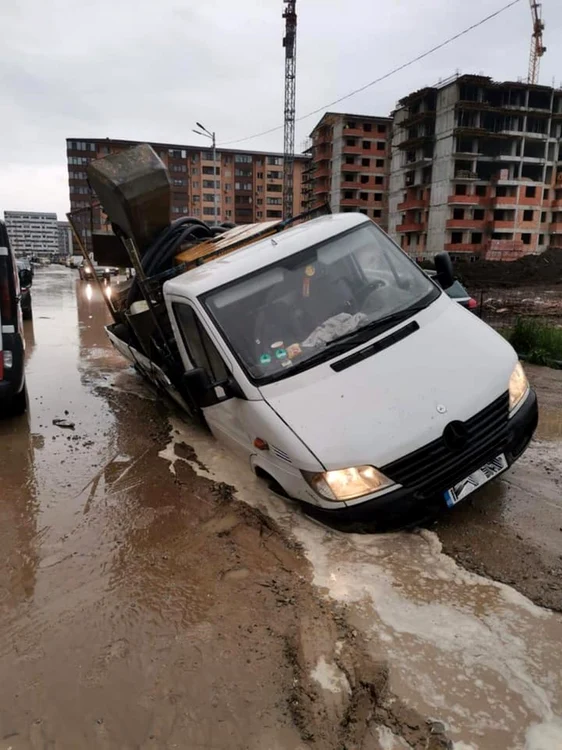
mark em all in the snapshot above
pixel 13 396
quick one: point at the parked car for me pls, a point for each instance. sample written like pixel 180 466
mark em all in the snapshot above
pixel 26 279
pixel 13 395
pixel 456 292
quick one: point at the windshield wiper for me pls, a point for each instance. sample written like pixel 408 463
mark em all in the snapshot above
pixel 367 332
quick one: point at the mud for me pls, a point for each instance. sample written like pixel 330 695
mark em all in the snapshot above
pixel 512 529
pixel 155 594
pixel 142 605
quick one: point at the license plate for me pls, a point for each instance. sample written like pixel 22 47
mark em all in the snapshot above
pixel 475 480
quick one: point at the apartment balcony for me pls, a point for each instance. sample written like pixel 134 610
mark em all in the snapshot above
pixel 411 226
pixel 476 225
pixel 555 227
pixel 358 150
pixel 463 247
pixel 321 171
pixel 497 225
pixel 413 203
pixel 356 202
pixel 351 184
pixel 353 168
pixel 320 189
pixel 504 200
pixel 355 133
pixel 470 200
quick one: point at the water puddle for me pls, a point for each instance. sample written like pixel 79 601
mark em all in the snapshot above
pixel 470 652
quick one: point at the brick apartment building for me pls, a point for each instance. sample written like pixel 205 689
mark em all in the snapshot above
pixel 476 169
pixel 348 165
pixel 249 183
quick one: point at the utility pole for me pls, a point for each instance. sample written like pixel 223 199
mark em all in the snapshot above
pixel 207 134
pixel 290 44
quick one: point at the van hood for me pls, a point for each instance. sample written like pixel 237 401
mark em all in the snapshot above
pixel 401 398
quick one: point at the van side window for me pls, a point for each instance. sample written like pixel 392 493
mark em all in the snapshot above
pixel 201 350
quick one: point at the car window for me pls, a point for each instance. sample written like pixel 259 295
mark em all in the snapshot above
pixel 201 350
pixel 457 291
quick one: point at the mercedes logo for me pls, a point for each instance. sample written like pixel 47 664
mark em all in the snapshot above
pixel 455 436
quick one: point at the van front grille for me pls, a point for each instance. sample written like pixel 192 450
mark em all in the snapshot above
pixel 438 466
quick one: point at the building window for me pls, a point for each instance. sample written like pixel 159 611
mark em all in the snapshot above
pixel 208 210
pixel 379 179
pixel 379 163
pixel 526 238
pixel 367 127
pixel 211 170
pixel 528 215
pixel 377 213
pixel 381 128
pixel 259 175
pixel 243 199
pixel 350 141
pixel 381 145
pixel 242 185
pixel 194 170
pixel 541 239
pixel 460 189
pixel 259 201
pixel 366 145
pixel 545 194
pixel 364 196
pixel 349 177
pixel 479 214
pixel 259 214
pixel 211 184
pixel 259 189
pixel 243 159
pixel 365 162
pixel 271 214
pixel 530 192
pixel 364 179
pixel 480 190
pixel 378 197
pixel 274 161
pixel 274 201
pixel 228 213
pixel 456 238
pixel 458 213
pixel 348 195
pixel 227 199
pixel 208 197
pixel 207 156
pixel 543 217
pixel 352 124
pixel 274 175
pixel 274 188
pixel 228 186
pixel 476 238
pixel 195 185
pixel 349 160
pixel 195 158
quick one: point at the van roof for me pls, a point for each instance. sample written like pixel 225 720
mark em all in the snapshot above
pixel 262 253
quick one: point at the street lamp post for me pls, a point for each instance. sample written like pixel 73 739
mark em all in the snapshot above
pixel 207 134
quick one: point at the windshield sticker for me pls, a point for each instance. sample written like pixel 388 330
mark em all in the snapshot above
pixel 306 286
pixel 277 345
pixel 265 359
pixel 310 270
pixel 281 353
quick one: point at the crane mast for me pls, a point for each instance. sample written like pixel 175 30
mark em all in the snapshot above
pixel 290 44
pixel 537 47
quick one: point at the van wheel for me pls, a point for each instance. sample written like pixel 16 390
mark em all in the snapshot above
pixel 19 403
pixel 26 314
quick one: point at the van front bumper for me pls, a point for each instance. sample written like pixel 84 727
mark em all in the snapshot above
pixel 421 502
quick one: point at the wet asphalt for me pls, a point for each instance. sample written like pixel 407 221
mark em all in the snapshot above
pixel 125 586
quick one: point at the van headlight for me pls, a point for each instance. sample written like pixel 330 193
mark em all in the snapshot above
pixel 518 386
pixel 347 484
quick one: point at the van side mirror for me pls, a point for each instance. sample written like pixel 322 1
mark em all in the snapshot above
pixel 444 267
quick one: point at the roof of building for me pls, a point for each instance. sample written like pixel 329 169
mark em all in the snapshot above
pixel 261 254
pixel 372 118
pixel 184 147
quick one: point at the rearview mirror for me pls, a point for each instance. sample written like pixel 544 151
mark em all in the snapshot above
pixel 444 267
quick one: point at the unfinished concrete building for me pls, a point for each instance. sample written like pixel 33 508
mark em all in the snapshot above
pixel 349 166
pixel 476 169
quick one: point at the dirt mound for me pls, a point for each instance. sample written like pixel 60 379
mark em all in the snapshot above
pixel 531 270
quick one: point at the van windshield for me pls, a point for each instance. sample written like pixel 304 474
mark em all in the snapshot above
pixel 311 305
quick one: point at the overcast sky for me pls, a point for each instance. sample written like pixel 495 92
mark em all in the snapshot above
pixel 146 70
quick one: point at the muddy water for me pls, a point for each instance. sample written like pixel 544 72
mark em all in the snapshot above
pixel 141 606
pixel 136 610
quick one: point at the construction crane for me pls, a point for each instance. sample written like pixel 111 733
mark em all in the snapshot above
pixel 290 44
pixel 537 47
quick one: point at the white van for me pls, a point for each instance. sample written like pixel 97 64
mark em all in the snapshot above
pixel 327 359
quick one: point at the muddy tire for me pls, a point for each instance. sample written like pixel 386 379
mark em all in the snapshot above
pixel 27 314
